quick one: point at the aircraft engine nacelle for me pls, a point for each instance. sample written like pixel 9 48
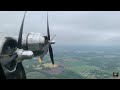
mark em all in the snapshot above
pixel 33 42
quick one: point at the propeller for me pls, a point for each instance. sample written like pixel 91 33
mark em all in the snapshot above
pixel 19 44
pixel 50 47
pixel 20 68
pixel 20 33
pixel 48 42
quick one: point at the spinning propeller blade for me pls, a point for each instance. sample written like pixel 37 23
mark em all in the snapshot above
pixel 20 33
pixel 50 47
pixel 20 72
pixel 19 44
pixel 49 40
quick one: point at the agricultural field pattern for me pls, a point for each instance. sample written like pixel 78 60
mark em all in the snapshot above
pixel 76 62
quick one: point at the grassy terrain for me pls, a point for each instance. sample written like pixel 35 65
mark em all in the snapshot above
pixel 77 63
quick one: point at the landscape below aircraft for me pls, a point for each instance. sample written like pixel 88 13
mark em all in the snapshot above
pixel 14 50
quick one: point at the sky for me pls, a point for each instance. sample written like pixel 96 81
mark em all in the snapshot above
pixel 70 27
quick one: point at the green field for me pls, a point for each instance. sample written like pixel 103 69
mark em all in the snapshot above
pixel 82 63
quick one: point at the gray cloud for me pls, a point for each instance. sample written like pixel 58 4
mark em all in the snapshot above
pixel 73 27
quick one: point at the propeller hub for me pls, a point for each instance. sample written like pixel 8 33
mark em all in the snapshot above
pixel 52 42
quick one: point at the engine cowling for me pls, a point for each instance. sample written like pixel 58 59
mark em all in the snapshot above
pixel 33 42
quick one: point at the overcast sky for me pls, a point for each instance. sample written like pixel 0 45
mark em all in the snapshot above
pixel 70 27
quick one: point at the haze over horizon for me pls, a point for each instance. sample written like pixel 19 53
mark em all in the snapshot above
pixel 78 36
pixel 71 27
